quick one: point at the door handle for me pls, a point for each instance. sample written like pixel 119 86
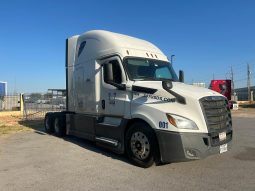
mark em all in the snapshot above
pixel 103 103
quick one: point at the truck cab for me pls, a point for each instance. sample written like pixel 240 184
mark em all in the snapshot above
pixel 123 93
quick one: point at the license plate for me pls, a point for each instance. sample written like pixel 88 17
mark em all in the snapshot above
pixel 223 148
pixel 222 136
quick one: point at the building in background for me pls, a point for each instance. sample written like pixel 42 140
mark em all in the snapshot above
pixel 3 89
pixel 242 93
pixel 3 92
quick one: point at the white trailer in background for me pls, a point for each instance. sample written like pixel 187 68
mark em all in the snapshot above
pixel 123 93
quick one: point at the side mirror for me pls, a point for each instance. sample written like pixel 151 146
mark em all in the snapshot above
pixel 181 76
pixel 108 73
pixel 167 85
pixel 109 79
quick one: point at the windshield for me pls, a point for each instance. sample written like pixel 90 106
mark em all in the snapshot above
pixel 148 69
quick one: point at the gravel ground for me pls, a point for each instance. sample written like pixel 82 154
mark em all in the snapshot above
pixel 37 161
pixel 244 112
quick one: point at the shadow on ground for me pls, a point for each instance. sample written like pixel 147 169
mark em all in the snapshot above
pixel 38 126
pixel 248 154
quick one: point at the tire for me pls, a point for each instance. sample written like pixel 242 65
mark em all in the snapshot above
pixel 48 123
pixel 59 125
pixel 140 144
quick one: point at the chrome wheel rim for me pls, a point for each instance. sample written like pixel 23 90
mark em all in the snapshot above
pixel 140 145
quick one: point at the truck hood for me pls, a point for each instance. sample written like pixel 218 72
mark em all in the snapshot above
pixel 152 102
pixel 187 91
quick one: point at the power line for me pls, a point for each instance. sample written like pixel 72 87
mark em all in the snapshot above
pixel 238 74
pixel 237 65
pixel 240 79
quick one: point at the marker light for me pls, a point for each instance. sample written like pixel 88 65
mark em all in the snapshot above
pixel 171 120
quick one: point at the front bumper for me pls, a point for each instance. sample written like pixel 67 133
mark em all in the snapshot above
pixel 177 147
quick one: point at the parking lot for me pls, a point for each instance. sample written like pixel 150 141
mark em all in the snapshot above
pixel 37 161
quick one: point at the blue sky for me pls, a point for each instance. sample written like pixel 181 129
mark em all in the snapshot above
pixel 207 37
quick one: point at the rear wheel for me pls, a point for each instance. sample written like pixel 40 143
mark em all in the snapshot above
pixel 140 144
pixel 59 125
pixel 48 123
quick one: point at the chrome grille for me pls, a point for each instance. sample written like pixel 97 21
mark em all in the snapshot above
pixel 216 112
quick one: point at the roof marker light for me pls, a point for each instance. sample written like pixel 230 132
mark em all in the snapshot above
pixel 156 56
pixel 152 55
pixel 147 54
pixel 127 52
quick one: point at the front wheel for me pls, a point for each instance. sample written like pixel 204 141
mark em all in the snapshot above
pixel 140 144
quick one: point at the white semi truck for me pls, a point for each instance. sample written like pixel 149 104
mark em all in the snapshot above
pixel 123 94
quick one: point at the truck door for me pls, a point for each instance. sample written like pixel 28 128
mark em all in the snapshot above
pixel 113 88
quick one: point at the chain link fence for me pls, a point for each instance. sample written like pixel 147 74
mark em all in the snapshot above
pixel 36 105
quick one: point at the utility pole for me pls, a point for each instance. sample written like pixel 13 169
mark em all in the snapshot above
pixel 249 82
pixel 232 83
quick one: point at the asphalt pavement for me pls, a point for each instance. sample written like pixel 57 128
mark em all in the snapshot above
pixel 37 161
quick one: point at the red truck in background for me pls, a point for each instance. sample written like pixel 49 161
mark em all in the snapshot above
pixel 224 87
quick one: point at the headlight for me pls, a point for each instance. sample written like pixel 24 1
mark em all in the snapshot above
pixel 181 122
